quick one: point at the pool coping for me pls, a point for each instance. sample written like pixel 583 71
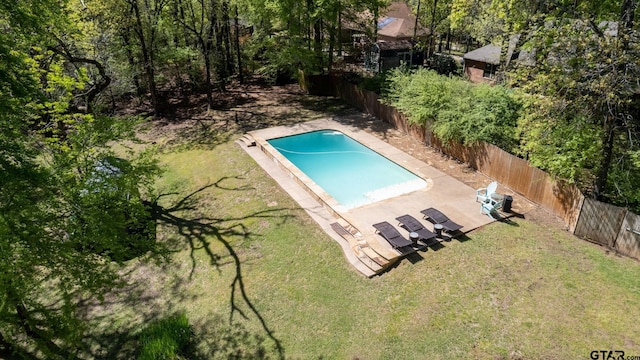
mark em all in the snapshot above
pixel 326 210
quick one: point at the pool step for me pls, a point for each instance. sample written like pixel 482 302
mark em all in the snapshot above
pixel 360 247
pixel 383 251
pixel 248 140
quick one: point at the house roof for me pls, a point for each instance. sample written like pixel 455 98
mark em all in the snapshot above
pixel 396 21
pixel 394 45
pixel 489 54
pixel 399 28
pixel 398 10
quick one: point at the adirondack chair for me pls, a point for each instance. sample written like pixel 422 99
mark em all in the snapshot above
pixel 483 194
pixel 491 206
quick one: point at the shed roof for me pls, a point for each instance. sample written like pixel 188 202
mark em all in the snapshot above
pixel 489 54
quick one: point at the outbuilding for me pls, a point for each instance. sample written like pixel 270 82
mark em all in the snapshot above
pixel 480 65
pixel 385 55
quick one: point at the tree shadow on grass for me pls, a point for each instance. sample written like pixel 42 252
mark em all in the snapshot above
pixel 198 232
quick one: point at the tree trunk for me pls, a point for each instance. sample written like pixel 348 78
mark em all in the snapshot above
pixel 376 14
pixel 207 70
pixel 238 53
pixel 339 28
pixel 332 39
pixel 415 25
pixel 132 64
pixel 627 18
pixel 317 33
pixel 432 30
pixel 308 24
pixel 602 176
pixel 147 59
pixel 208 48
pixel 228 57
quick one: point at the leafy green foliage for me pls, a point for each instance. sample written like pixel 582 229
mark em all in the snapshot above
pixel 487 113
pixel 278 59
pixel 552 140
pixel 376 83
pixel 455 109
pixel 49 151
pixel 582 111
pixel 445 65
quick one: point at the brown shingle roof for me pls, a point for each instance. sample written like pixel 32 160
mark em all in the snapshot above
pixel 401 28
pixel 396 21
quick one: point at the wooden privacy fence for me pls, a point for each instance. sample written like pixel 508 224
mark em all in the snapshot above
pixel 511 171
pixel 611 226
pixel 536 185
pixel 605 224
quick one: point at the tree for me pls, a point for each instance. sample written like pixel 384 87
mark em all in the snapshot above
pixel 201 20
pixel 146 17
pixel 586 83
pixel 49 149
pixel 434 13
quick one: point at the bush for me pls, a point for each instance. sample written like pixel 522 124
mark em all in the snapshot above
pixel 455 109
pixel 445 65
pixel 376 83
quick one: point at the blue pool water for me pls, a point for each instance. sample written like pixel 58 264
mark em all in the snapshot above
pixel 350 172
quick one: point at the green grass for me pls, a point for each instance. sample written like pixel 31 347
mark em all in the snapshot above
pixel 166 338
pixel 520 290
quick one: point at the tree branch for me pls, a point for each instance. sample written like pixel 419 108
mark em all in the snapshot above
pixel 97 87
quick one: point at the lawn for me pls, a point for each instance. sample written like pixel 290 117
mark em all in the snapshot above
pixel 257 278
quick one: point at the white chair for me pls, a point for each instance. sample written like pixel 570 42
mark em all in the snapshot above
pixel 491 206
pixel 484 194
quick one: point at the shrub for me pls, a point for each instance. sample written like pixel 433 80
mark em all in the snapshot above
pixel 376 83
pixel 455 109
pixel 445 65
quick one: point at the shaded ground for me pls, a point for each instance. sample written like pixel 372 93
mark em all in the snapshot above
pixel 255 106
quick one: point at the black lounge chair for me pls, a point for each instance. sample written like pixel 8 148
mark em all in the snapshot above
pixel 435 217
pixel 392 235
pixel 413 225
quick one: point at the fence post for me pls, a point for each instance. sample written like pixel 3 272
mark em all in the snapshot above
pixel 576 217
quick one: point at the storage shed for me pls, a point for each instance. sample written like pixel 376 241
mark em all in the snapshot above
pixel 480 65
pixel 385 55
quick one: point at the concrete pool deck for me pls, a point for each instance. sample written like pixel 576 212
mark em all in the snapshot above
pixel 367 251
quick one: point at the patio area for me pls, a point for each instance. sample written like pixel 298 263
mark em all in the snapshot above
pixel 367 251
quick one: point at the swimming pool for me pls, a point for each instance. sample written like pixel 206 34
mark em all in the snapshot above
pixel 350 172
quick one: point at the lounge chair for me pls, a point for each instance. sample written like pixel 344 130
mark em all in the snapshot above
pixel 413 225
pixel 483 194
pixel 392 235
pixel 435 217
